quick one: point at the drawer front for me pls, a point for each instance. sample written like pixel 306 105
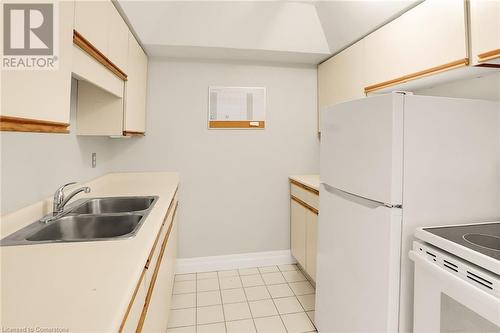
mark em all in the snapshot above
pixel 305 195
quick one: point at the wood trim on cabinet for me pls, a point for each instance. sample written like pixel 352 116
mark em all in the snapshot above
pixel 148 260
pixel 488 65
pixel 155 273
pixel 235 124
pixel 151 253
pixel 493 54
pixel 305 187
pixel 136 290
pixel 304 204
pixel 418 75
pixel 17 124
pixel 94 52
pixel 133 133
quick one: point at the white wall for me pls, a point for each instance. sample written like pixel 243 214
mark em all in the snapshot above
pixel 234 195
pixel 33 165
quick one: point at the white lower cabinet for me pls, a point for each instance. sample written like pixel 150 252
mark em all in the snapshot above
pixel 304 228
pixel 156 318
pixel 150 304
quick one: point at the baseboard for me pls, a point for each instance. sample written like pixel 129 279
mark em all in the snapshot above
pixel 244 260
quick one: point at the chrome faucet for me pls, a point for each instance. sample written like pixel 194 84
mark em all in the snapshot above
pixel 60 201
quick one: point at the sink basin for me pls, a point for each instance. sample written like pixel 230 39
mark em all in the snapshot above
pixel 91 227
pixel 114 205
pixel 90 219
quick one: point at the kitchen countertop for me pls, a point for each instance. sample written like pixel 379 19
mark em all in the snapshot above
pixel 311 181
pixel 82 286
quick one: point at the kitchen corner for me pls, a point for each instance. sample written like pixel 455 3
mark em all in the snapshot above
pixel 83 286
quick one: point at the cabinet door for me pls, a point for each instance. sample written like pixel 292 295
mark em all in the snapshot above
pixel 427 39
pixel 136 85
pixel 485 31
pixel 311 240
pixel 341 78
pixel 134 314
pixel 156 318
pixel 43 94
pixel 298 232
pixel 117 40
pixel 92 22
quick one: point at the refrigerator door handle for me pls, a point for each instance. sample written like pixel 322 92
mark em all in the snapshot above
pixel 370 202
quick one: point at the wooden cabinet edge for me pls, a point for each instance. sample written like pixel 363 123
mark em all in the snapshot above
pixel 155 272
pixel 490 55
pixel 304 204
pixel 133 133
pixel 148 260
pixel 418 75
pixel 92 51
pixel 17 124
pixel 305 187
pixel 235 124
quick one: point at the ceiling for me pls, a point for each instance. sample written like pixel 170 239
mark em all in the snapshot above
pixel 301 32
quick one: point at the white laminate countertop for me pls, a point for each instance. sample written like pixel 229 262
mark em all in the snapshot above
pixel 83 286
pixel 307 180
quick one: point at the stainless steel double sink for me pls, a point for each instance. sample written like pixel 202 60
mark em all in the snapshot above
pixel 91 219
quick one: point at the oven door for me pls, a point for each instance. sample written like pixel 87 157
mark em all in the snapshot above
pixel 446 299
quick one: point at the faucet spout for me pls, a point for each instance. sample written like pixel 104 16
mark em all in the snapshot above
pixel 85 189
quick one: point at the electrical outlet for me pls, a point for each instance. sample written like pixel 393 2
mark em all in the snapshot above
pixel 94 160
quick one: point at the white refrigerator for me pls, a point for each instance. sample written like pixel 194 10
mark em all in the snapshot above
pixel 389 164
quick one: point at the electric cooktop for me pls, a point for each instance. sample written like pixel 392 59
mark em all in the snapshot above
pixel 483 238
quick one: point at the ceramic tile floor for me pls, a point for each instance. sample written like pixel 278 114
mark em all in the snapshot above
pixel 271 299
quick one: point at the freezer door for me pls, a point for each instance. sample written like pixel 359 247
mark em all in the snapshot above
pixel 362 147
pixel 358 265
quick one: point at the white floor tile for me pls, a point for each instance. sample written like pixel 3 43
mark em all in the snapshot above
pixel 233 296
pixel 211 328
pixel 185 277
pixel 273 278
pixel 230 282
pixel 209 314
pixel 236 311
pixel 240 326
pixel 232 272
pixel 302 288
pixel 285 268
pixel 297 323
pixel 206 275
pixel 248 271
pixel 188 329
pixel 280 290
pixel 288 305
pixel 182 317
pixel 207 285
pixel 268 269
pixel 252 280
pixel 182 301
pixel 294 276
pixel 257 293
pixel 269 325
pixel 307 301
pixel 208 298
pixel 263 308
pixel 184 287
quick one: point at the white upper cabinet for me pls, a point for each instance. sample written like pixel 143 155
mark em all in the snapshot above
pixel 39 100
pixel 485 31
pixel 341 78
pixel 135 89
pixel 92 20
pixel 427 39
pixel 118 36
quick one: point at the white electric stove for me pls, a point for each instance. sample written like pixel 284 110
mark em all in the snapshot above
pixel 457 278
